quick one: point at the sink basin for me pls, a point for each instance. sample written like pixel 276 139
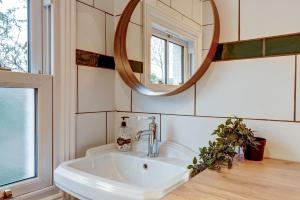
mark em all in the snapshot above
pixel 106 173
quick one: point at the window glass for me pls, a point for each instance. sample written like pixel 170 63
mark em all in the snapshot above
pixel 17 135
pixel 14 35
pixel 158 60
pixel 175 68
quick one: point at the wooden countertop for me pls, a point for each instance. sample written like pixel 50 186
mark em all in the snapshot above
pixel 247 180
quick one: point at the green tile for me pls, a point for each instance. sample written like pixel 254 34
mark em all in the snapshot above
pixel 243 49
pixel 283 45
pixel 136 66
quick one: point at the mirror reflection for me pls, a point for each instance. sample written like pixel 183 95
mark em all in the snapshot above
pixel 168 40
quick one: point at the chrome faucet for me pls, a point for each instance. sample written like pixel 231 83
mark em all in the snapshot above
pixel 153 148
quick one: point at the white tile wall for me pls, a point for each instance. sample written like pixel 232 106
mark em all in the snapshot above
pixel 255 88
pixel 192 132
pixel 134 123
pixel 208 17
pixel 137 15
pixel 184 7
pixel 111 123
pixel 95 89
pixel 119 6
pixel 182 103
pixel 298 90
pixel 122 94
pixel 90 132
pixel 282 138
pixel 135 42
pixel 269 17
pixel 229 20
pixel 89 2
pixel 110 33
pixel 90 29
pixel 197 11
pixel 208 32
pixel 107 6
pixel 168 2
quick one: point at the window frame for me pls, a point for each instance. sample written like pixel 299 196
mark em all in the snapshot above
pixel 43 85
pixel 157 17
pixel 185 66
pixel 39 63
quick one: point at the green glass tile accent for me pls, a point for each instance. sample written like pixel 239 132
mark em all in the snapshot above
pixel 136 66
pixel 283 45
pixel 243 49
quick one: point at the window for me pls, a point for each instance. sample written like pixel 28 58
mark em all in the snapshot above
pixel 167 59
pixel 25 97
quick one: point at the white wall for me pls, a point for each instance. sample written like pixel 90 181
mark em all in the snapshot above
pixel 261 90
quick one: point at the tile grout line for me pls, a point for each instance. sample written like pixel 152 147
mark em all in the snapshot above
pixel 239 20
pixel 131 100
pixel 216 117
pixel 77 85
pixel 295 89
pixel 106 126
pixel 105 34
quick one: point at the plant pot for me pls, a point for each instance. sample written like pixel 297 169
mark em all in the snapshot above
pixel 255 153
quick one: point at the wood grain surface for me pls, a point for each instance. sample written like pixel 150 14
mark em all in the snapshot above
pixel 247 180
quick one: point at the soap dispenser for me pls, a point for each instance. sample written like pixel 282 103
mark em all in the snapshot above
pixel 123 140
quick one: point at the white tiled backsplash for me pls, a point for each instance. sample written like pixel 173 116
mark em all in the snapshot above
pixel 261 89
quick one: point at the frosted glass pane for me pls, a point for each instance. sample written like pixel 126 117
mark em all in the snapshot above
pixel 17 134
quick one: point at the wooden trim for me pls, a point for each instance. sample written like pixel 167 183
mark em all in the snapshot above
pixel 122 62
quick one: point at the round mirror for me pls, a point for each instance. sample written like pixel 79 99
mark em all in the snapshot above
pixel 163 47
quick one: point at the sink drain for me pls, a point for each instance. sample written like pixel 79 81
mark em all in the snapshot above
pixel 145 166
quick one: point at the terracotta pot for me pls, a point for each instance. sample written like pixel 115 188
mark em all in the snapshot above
pixel 255 153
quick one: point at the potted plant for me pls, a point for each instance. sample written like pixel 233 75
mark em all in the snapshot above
pixel 229 136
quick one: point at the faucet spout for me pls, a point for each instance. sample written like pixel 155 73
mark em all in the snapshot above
pixel 153 149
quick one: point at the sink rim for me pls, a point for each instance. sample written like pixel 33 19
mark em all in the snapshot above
pixel 67 173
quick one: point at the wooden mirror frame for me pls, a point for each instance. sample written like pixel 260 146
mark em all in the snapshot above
pixel 122 62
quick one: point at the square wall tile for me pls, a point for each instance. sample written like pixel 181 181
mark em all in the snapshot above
pixel 269 18
pixel 110 34
pixel 90 132
pixel 192 132
pixel 95 89
pixel 282 138
pixel 298 90
pixel 90 29
pixel 122 95
pixel 182 103
pixel 229 20
pixel 252 88
pixel 107 6
pixel 135 123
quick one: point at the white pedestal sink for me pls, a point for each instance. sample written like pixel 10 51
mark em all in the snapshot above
pixel 107 174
